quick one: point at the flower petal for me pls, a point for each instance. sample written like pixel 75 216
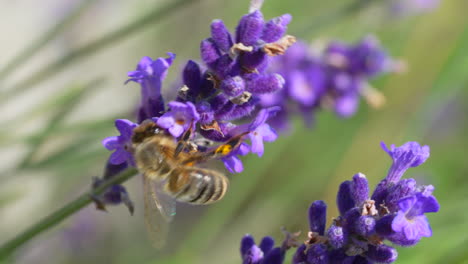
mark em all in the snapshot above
pixel 119 156
pixel 166 121
pixel 176 130
pixel 111 143
pixel 125 127
pixel 257 143
pixel 233 164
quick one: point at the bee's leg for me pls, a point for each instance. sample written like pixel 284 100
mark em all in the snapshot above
pixel 184 141
pixel 231 144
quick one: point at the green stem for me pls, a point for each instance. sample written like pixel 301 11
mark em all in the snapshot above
pixel 35 46
pixel 61 214
pixel 55 67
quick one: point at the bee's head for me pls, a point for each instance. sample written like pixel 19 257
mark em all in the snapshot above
pixel 145 130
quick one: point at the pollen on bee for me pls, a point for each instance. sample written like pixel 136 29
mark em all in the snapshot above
pixel 224 149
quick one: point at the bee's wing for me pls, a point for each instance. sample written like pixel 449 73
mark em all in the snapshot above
pixel 159 211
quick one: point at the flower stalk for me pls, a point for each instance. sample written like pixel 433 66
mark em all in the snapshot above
pixel 61 214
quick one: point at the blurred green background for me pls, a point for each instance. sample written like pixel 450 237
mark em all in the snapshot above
pixel 60 103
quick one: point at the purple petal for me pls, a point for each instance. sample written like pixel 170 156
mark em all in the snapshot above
pixel 166 121
pixel 275 256
pixel 318 217
pixel 257 143
pixel 265 83
pixel 421 224
pixel 125 127
pixel 429 203
pixel 267 244
pixel 209 51
pixel 275 28
pixel 243 149
pixel 220 35
pixel 346 106
pixel 233 164
pixel 399 222
pixel 119 156
pixel 176 130
pixel 410 154
pixel 344 198
pixel 405 204
pixel 263 116
pixel 233 86
pixel 246 243
pixel 300 90
pixel 111 143
pixel 267 133
pixel 250 28
pixel 360 189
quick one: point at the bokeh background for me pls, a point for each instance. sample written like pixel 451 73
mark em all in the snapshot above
pixel 58 100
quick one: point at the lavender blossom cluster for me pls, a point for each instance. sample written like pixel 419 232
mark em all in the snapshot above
pixel 395 212
pixel 216 100
pixel 335 78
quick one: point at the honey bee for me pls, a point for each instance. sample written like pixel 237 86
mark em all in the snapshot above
pixel 170 174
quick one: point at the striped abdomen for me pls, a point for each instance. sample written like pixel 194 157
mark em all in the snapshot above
pixel 196 185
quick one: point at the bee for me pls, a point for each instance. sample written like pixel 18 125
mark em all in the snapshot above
pixel 170 174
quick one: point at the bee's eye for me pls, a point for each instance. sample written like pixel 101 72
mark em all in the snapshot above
pixel 157 131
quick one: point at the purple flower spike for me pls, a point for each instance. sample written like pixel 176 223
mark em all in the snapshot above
pixel 410 219
pixel 150 74
pixel 317 254
pixel 246 243
pixel 267 83
pixel 275 28
pixel 192 75
pixel 344 199
pixel 220 35
pixel 300 256
pixel 209 51
pixel 179 118
pixel 121 144
pixel 233 86
pixel 383 226
pixel 365 225
pixel 411 154
pixel 404 188
pixel 275 256
pixel 318 217
pixel 267 244
pixel 360 233
pixel 250 28
pixel 336 236
pixel 360 189
pixel 382 254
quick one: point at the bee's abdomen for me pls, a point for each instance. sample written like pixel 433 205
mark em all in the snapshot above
pixel 196 185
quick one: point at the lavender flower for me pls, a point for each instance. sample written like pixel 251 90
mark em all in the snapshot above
pixel 266 252
pixel 212 97
pixel 121 144
pixel 402 8
pixel 150 75
pixel 179 118
pixel 410 219
pixel 359 233
pixel 336 79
